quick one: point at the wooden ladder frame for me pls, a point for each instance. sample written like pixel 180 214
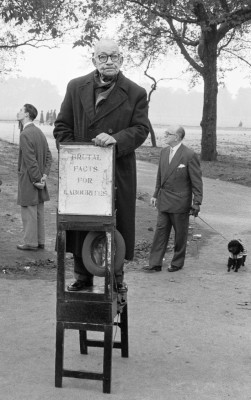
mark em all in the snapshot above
pixel 91 309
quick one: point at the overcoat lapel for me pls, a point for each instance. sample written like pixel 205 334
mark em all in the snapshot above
pixel 174 163
pixel 86 92
pixel 164 166
pixel 117 97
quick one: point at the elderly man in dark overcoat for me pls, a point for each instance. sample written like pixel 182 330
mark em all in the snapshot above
pixel 107 108
pixel 34 163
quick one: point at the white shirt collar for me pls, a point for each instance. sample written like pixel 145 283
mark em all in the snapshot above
pixel 175 148
pixel 28 123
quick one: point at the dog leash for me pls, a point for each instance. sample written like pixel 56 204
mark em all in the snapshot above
pixel 212 228
pixel 193 226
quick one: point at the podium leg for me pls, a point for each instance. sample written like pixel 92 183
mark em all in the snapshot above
pixel 124 332
pixel 107 362
pixel 59 354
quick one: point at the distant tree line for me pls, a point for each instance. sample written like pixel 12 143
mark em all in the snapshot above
pixel 17 91
pixel 49 118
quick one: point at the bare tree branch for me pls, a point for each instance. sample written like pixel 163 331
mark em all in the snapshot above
pixel 237 56
pixel 220 48
pixel 233 20
pixel 33 42
pixel 167 13
pixel 155 81
pixel 183 50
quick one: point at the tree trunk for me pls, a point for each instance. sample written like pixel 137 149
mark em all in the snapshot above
pixel 209 115
pixel 153 139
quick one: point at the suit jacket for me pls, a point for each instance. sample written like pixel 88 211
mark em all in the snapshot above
pixel 180 182
pixel 34 160
pixel 124 115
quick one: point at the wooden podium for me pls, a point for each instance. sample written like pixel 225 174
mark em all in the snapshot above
pixel 86 202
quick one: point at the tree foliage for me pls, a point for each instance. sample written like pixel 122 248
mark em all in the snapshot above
pixel 36 23
pixel 210 34
pixel 38 17
pixel 155 27
pixel 205 32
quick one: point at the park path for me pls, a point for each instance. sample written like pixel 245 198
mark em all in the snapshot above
pixel 189 332
pixel 226 206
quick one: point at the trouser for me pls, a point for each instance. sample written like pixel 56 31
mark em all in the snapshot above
pixel 33 224
pixel 165 222
pixel 82 274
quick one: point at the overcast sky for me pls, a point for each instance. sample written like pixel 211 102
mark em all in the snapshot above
pixel 62 64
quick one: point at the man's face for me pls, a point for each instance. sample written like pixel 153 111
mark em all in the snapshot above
pixel 107 59
pixel 171 137
pixel 21 114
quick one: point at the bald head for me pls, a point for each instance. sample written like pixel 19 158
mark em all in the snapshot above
pixel 104 44
pixel 178 130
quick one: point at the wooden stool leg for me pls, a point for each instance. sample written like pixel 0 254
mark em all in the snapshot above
pixel 82 342
pixel 107 362
pixel 59 354
pixel 124 332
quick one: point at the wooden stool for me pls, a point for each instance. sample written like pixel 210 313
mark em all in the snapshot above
pixel 92 309
pixel 88 310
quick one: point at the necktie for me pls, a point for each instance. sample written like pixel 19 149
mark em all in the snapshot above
pixel 171 154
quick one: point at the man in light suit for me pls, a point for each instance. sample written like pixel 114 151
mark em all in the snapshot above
pixel 178 194
pixel 34 164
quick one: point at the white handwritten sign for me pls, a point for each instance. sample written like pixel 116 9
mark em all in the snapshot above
pixel 85 180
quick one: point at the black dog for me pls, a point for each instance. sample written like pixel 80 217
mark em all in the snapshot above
pixel 238 255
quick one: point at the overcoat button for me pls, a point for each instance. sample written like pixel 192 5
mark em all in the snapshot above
pixel 110 131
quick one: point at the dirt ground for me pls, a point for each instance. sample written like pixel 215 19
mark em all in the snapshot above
pixel 189 331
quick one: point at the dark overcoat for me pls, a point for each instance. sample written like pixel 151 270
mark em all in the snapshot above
pixel 180 182
pixel 34 160
pixel 124 115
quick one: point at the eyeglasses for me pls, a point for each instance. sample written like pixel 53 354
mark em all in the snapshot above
pixel 170 134
pixel 104 57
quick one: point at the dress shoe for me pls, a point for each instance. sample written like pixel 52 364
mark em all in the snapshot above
pixel 172 268
pixel 155 268
pixel 26 247
pixel 40 246
pixel 79 285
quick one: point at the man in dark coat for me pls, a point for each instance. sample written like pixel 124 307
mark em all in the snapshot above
pixel 107 108
pixel 34 164
pixel 177 194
